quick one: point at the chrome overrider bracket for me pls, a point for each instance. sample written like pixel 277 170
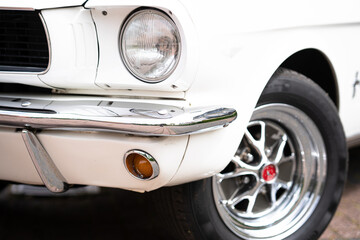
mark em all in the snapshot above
pixel 48 172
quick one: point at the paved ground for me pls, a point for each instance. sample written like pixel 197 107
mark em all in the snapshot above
pixel 346 223
pixel 117 214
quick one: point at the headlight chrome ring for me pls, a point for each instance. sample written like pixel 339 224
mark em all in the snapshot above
pixel 150 45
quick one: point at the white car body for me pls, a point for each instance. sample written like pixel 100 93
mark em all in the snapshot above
pixel 229 52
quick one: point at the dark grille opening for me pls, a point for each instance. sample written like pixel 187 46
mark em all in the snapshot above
pixel 23 42
pixel 21 88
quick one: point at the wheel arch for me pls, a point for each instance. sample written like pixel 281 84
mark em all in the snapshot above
pixel 315 65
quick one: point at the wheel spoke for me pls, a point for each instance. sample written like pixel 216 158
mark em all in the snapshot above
pixel 249 195
pixel 263 135
pixel 282 184
pixel 273 190
pixel 252 197
pixel 278 148
pixel 240 164
pixel 290 158
pixel 233 196
pixel 236 173
pixel 251 204
pixel 258 144
pixel 250 138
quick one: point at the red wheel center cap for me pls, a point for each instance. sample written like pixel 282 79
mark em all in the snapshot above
pixel 269 172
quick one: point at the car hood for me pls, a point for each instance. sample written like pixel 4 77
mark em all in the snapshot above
pixel 38 4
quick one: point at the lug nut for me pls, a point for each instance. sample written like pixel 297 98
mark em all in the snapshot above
pixel 246 180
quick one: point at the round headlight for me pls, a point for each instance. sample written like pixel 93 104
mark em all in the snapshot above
pixel 150 45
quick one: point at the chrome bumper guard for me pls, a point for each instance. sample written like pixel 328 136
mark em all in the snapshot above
pixel 111 115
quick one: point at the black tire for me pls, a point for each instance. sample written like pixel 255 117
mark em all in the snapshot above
pixel 202 209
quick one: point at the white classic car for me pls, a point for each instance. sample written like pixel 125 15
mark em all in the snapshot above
pixel 242 112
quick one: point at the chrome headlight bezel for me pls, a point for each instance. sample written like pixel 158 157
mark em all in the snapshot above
pixel 122 46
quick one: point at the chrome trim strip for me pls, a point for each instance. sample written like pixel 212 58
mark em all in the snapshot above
pixel 43 163
pixel 48 41
pixel 112 115
pixel 17 8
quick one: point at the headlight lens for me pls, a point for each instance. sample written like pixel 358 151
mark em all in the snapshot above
pixel 150 45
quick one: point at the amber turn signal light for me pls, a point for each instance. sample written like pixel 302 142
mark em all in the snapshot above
pixel 141 165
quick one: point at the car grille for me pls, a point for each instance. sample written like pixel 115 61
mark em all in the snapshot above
pixel 23 42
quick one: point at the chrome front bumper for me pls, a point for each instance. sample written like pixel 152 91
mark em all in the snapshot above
pixel 111 115
pixel 99 114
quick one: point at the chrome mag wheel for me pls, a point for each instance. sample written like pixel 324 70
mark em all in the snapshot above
pixel 285 179
pixel 276 177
